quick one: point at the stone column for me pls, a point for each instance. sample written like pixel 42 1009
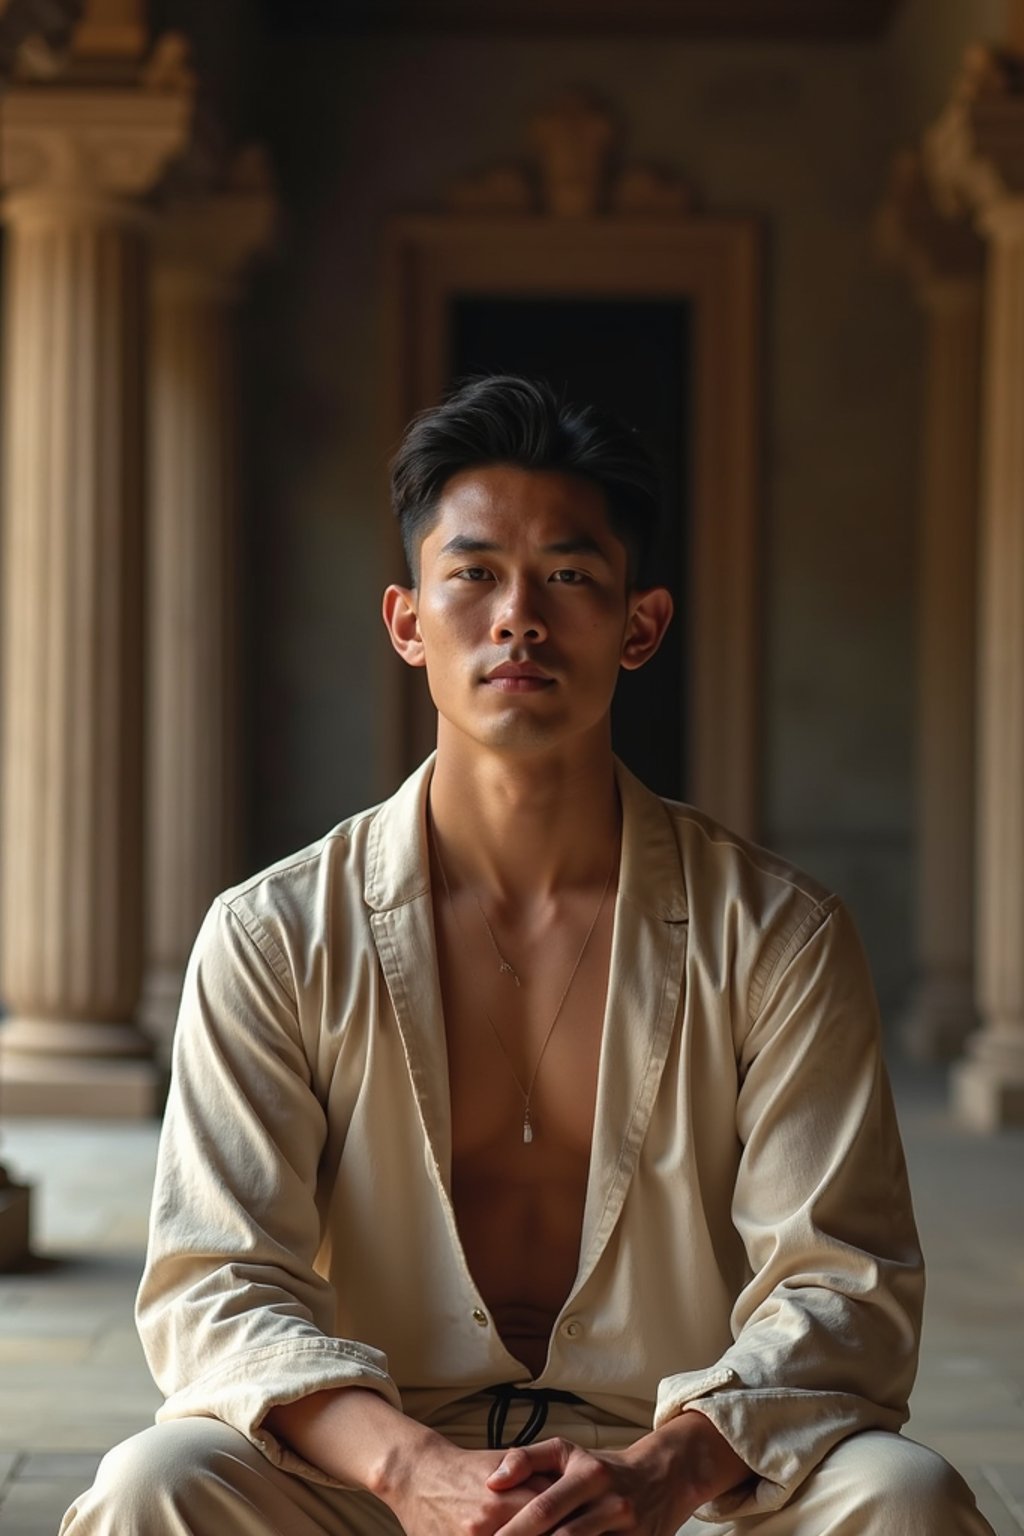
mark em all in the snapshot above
pixel 943 259
pixel 193 787
pixel 75 160
pixel 976 161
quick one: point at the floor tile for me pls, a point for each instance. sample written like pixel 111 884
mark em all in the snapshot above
pixel 36 1509
pixel 49 1466
pixel 73 1380
pixel 1007 1478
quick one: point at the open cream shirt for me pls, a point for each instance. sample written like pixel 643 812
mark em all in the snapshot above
pixel 748 1243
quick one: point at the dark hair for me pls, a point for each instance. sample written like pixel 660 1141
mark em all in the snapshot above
pixel 504 419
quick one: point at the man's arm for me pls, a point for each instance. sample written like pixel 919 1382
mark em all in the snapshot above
pixel 826 1329
pixel 433 1487
pixel 354 1436
pixel 232 1313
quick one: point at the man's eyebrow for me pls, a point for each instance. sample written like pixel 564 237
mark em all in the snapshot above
pixel 465 544
pixel 579 544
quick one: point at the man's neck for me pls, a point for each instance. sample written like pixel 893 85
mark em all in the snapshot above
pixel 520 828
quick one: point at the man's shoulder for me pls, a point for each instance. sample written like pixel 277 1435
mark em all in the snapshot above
pixel 295 912
pixel 317 883
pixel 711 863
pixel 730 883
pixel 708 847
pixel 749 910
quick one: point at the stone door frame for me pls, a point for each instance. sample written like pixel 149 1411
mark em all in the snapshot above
pixel 714 265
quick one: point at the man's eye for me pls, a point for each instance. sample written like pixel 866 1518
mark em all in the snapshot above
pixel 473 573
pixel 568 577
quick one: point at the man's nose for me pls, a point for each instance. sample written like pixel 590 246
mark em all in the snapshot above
pixel 518 615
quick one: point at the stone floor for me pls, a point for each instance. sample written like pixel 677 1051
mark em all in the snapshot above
pixel 72 1379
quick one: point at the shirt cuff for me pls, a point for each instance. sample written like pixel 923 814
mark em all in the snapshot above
pixel 780 1433
pixel 244 1391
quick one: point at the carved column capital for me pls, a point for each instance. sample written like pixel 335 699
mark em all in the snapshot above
pixel 974 152
pixel 937 252
pixel 78 146
pixel 76 143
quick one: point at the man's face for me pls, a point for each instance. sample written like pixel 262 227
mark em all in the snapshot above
pixel 522 615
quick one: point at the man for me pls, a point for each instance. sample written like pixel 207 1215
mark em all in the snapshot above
pixel 529 1163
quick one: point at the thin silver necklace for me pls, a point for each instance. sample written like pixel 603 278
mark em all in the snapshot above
pixel 527 1092
pixel 504 966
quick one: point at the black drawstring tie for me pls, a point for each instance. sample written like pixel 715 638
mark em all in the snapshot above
pixel 539 1398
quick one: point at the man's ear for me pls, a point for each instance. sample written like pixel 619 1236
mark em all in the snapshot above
pixel 649 618
pixel 403 625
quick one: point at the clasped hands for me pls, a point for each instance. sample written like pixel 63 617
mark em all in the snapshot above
pixel 650 1488
pixel 588 1493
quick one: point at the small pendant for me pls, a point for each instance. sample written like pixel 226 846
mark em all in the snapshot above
pixel 527 1129
pixel 506 967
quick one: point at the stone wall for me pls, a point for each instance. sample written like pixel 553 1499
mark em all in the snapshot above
pixel 371 127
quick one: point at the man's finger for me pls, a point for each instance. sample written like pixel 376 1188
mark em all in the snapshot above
pixel 523 1461
pixel 567 1496
pixel 610 1514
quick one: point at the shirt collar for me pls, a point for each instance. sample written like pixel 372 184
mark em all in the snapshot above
pixel 650 872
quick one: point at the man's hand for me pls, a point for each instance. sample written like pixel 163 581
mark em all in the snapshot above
pixel 650 1488
pixel 448 1492
pixel 438 1489
pixel 431 1485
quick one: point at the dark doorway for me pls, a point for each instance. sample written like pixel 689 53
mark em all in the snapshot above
pixel 630 356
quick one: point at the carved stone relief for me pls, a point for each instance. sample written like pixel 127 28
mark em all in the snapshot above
pixel 570 171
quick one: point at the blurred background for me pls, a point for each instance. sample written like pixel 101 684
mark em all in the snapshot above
pixel 241 243
pixel 244 242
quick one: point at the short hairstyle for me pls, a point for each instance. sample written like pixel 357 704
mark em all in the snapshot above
pixel 505 419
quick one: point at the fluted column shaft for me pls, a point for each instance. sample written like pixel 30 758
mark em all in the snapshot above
pixel 70 945
pixel 71 736
pixel 989 1084
pixel 942 1009
pixel 193 790
pixel 192 779
pixel 941 254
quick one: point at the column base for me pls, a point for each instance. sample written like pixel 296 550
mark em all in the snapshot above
pixel 78 1070
pixel 988 1085
pixel 83 1090
pixel 15 1219
pixel 985 1099
pixel 940 1018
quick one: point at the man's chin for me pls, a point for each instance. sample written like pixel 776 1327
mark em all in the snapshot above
pixel 514 733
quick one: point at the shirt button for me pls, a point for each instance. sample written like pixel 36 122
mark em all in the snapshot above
pixel 480 1317
pixel 573 1329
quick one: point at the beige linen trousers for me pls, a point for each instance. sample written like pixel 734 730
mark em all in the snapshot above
pixel 198 1477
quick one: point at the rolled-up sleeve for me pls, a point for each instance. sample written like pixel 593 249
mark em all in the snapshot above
pixel 826 1330
pixel 233 1316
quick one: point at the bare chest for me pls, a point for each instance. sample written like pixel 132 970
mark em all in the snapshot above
pixel 523 1055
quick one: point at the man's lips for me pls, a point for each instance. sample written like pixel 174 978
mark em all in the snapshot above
pixel 518 677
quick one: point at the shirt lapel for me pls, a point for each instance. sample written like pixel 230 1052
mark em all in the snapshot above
pixel 645 983
pixel 397 892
